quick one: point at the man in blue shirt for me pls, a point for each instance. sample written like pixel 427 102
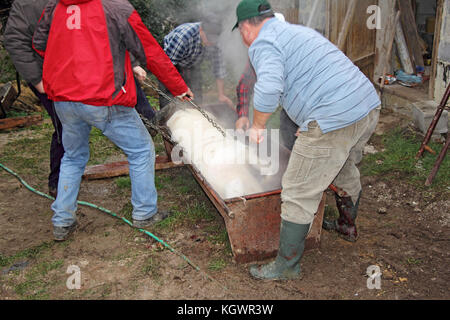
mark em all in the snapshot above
pixel 336 109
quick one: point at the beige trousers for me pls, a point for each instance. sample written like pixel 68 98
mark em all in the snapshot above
pixel 319 159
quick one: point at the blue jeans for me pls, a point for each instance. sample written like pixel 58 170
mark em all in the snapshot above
pixel 124 128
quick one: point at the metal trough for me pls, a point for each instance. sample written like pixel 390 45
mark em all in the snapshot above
pixel 252 221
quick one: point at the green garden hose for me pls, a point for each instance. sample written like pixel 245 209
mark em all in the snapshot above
pixel 87 204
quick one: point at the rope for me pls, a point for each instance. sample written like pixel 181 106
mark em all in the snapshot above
pixel 87 204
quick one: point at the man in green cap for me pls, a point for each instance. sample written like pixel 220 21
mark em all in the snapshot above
pixel 336 109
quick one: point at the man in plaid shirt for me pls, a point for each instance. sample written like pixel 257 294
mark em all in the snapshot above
pixel 187 46
pixel 244 92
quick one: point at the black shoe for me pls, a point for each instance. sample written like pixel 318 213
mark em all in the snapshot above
pixel 62 233
pixel 159 216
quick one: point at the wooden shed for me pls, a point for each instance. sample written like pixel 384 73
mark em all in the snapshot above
pixel 364 31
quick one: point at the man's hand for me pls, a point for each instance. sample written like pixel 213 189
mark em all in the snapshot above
pixel 256 134
pixel 40 87
pixel 224 99
pixel 139 73
pixel 187 96
pixel 243 123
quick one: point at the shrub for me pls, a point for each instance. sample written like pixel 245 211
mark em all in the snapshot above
pixel 161 16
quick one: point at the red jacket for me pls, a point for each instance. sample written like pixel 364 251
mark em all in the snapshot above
pixel 85 46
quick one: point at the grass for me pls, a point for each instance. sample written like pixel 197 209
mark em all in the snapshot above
pixel 217 264
pixel 123 183
pixel 217 234
pixel 8 72
pixel 29 155
pixel 36 280
pixel 162 181
pixel 398 161
pixel 127 211
pixel 154 102
pixel 13 114
pixel 30 253
pixel 413 261
pixel 152 267
pixel 159 144
pixel 33 157
pixel 101 148
pixel 192 214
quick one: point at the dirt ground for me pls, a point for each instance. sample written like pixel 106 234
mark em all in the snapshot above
pixel 409 242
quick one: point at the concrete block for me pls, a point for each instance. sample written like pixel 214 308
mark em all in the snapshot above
pixel 423 114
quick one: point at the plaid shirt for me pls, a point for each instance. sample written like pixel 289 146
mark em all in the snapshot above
pixel 244 90
pixel 184 47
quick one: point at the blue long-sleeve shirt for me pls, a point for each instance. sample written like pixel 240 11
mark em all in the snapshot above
pixel 309 76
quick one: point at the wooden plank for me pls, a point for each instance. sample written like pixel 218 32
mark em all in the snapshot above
pixel 437 38
pixel 406 60
pixel 365 57
pixel 346 25
pixel 384 51
pixel 328 20
pixel 361 41
pixel 10 123
pixel 121 168
pixel 108 170
pixel 384 37
pixel 338 8
pixel 411 33
pixel 392 30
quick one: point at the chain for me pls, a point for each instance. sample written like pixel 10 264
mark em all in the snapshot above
pixel 203 112
pixel 150 125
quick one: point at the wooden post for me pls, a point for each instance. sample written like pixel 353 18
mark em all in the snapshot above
pixel 403 51
pixel 411 33
pixel 346 26
pixel 437 37
pixel 391 32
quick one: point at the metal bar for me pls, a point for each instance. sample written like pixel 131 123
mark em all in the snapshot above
pixel 434 122
pixel 438 163
pixel 254 196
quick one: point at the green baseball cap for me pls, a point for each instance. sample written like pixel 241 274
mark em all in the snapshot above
pixel 251 8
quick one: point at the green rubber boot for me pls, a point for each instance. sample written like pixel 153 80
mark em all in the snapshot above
pixel 287 263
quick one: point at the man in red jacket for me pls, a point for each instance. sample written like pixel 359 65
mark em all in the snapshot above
pixel 23 19
pixel 88 74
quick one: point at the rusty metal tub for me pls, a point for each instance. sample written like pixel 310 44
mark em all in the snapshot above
pixel 252 221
